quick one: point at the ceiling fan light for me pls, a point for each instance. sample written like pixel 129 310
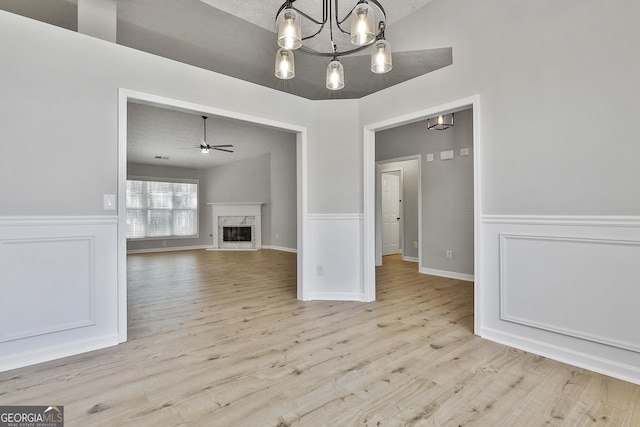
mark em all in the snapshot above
pixel 335 75
pixel 381 61
pixel 362 20
pixel 441 122
pixel 285 65
pixel 289 29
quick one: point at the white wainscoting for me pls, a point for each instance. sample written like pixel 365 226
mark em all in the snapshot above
pixel 58 287
pixel 334 243
pixel 564 287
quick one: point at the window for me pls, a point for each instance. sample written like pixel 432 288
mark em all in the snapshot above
pixel 157 209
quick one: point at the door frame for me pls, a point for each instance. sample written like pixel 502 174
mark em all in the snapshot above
pixel 400 205
pixel 127 95
pixel 380 167
pixel 369 192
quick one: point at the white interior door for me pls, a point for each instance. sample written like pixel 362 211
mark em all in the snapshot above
pixel 390 213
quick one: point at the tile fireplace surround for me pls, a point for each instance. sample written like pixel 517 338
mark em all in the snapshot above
pixel 236 215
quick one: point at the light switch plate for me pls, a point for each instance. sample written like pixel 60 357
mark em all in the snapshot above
pixel 109 202
pixel 464 151
pixel 430 157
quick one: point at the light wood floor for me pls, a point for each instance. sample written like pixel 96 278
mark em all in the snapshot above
pixel 219 339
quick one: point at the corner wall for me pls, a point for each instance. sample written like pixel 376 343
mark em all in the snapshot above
pixel 62 88
pixel 556 181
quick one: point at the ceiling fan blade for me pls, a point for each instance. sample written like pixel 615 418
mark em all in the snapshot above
pixel 221 149
pixel 220 145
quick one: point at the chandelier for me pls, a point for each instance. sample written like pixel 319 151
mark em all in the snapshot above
pixel 363 33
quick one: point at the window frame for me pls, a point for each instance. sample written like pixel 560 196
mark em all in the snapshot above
pixel 170 180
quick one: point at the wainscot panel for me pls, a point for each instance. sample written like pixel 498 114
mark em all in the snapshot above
pixel 58 287
pixel 564 287
pixel 336 257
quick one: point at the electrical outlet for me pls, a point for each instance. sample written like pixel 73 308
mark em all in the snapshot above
pixel 164 243
pixel 449 254
pixel 320 270
pixel 415 245
pixel 277 236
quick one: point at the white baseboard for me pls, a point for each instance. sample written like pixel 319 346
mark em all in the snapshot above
pixel 172 249
pixel 280 248
pixel 232 249
pixel 46 354
pixel 447 274
pixel 335 296
pixel 603 366
pixel 410 259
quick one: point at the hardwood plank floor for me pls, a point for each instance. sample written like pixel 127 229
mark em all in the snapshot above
pixel 219 339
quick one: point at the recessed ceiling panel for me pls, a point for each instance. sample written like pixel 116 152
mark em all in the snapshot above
pixel 237 38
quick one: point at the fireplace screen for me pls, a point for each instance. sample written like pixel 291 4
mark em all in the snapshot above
pixel 236 234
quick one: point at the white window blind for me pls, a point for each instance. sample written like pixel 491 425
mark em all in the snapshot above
pixel 161 209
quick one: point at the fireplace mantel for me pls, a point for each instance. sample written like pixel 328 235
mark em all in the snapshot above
pixel 243 214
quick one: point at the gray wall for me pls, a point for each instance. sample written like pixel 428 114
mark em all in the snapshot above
pixel 551 87
pixel 284 204
pixel 447 188
pixel 65 94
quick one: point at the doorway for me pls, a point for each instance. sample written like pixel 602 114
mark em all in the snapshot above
pixel 372 239
pixel 391 198
pixel 124 97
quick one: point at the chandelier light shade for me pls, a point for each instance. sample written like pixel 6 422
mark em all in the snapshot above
pixel 285 65
pixel 362 24
pixel 441 122
pixel 364 31
pixel 335 75
pixel 289 29
pixel 381 61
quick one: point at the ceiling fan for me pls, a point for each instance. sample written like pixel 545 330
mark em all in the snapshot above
pixel 204 147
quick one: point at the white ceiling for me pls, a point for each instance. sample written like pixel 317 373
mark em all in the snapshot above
pixel 173 135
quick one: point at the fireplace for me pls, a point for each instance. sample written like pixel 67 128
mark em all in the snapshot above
pixel 236 226
pixel 236 234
